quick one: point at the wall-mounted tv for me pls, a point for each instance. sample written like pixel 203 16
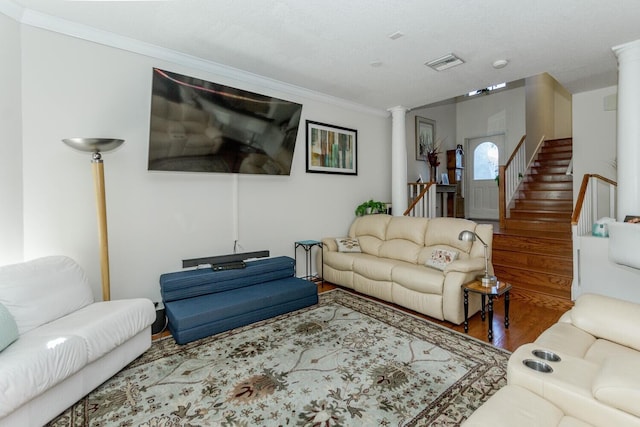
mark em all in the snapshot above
pixel 201 126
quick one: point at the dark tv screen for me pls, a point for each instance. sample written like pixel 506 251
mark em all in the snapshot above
pixel 201 126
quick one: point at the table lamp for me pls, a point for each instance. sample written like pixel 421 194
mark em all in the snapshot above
pixel 470 236
pixel 96 146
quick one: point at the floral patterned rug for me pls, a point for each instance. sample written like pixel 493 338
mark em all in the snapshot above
pixel 347 361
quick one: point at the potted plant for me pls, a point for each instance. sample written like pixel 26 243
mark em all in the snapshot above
pixel 371 207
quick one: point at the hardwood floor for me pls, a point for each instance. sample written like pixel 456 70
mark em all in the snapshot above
pixel 526 320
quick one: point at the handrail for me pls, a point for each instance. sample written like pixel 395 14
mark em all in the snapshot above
pixel 424 199
pixel 509 176
pixel 582 203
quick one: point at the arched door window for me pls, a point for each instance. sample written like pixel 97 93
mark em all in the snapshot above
pixel 485 161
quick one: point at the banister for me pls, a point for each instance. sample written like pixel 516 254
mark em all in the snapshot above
pixel 575 217
pixel 515 151
pixel 420 196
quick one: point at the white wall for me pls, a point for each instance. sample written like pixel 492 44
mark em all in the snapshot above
pixel 594 135
pixel 11 248
pixel 74 87
pixel 500 112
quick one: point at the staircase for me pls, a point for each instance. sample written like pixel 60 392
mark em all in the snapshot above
pixel 533 250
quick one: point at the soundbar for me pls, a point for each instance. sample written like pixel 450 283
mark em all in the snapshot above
pixel 223 259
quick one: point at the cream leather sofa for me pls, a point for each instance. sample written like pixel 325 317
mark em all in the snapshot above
pixel 393 257
pixel 596 379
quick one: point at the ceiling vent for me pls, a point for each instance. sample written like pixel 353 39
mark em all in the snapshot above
pixel 444 63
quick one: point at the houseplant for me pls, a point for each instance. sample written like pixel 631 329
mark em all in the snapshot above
pixel 371 207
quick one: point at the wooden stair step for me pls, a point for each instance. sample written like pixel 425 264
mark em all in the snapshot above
pixel 548 185
pixel 537 169
pixel 543 263
pixel 532 242
pixel 551 163
pixel 538 225
pixel 539 215
pixel 551 205
pixel 554 155
pixel 554 177
pixel 547 194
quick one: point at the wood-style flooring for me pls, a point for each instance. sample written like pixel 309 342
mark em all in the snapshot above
pixel 527 320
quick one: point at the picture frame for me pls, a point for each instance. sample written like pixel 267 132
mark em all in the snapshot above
pixel 444 179
pixel 331 149
pixel 632 219
pixel 425 135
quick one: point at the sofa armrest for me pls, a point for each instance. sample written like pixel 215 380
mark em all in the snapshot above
pixel 466 266
pixel 329 244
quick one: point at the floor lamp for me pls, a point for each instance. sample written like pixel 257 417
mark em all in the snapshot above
pixel 96 146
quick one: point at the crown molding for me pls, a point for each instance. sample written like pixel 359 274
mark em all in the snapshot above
pixel 47 22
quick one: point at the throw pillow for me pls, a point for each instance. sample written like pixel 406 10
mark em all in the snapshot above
pixel 440 258
pixel 8 328
pixel 348 244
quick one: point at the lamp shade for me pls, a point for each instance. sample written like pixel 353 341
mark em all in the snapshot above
pixel 93 145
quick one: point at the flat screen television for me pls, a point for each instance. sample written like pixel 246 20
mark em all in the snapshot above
pixel 201 126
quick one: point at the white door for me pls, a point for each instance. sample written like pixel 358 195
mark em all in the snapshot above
pixel 483 159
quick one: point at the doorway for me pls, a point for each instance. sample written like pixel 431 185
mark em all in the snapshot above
pixel 483 159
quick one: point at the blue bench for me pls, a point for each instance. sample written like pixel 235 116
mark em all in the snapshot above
pixel 203 302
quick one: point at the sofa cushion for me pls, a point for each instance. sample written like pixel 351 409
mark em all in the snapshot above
pixel 601 350
pixel 33 364
pixel 618 383
pixel 399 249
pixel 348 244
pixel 609 318
pixel 418 278
pixel 407 228
pixel 445 231
pixel 103 325
pixel 42 290
pixel 440 258
pixel 378 269
pixel 8 328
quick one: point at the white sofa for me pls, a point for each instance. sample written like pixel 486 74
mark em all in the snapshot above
pixel 595 382
pixel 393 258
pixel 67 344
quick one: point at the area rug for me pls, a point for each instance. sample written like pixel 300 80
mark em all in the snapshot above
pixel 348 361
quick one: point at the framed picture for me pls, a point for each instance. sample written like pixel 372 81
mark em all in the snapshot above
pixel 331 149
pixel 633 219
pixel 425 136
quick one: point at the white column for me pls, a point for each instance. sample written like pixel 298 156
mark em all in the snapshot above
pixel 398 160
pixel 628 141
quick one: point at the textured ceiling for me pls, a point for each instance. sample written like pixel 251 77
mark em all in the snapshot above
pixel 328 45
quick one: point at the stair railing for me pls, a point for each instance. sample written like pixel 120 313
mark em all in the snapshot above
pixel 596 199
pixel 510 176
pixel 423 199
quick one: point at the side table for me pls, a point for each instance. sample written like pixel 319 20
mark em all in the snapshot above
pixel 307 245
pixel 487 291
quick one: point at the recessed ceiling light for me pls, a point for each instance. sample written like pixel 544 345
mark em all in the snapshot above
pixel 500 63
pixel 375 63
pixel 445 62
pixel 396 35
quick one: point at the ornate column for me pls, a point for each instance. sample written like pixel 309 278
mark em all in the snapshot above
pixel 398 160
pixel 628 127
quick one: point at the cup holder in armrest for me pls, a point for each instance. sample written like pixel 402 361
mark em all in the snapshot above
pixel 537 365
pixel 546 355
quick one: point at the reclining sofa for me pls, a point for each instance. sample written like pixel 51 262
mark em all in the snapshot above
pixel 584 370
pixel 417 263
pixel 56 343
